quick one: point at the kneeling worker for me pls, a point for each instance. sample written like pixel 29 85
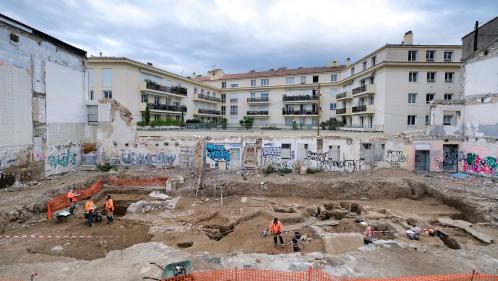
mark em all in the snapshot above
pixel 89 208
pixel 109 209
pixel 276 228
pixel 369 235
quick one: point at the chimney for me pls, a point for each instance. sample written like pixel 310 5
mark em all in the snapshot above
pixel 271 69
pixel 476 35
pixel 252 71
pixel 408 38
pixel 149 63
pixel 332 63
pixel 348 61
pixel 100 53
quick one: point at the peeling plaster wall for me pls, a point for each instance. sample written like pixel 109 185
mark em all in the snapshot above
pixel 33 71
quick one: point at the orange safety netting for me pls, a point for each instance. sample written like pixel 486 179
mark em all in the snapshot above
pixel 241 274
pixel 137 182
pixel 61 201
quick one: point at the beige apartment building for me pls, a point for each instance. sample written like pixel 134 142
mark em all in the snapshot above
pixel 137 85
pixel 387 90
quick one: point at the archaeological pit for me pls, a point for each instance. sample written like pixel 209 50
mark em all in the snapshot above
pixel 223 226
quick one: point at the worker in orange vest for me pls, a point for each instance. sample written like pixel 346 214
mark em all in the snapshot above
pixel 71 195
pixel 109 209
pixel 89 208
pixel 276 228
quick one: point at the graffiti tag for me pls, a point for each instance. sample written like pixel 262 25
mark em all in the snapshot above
pixel 218 152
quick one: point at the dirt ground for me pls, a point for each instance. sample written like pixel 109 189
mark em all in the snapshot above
pixel 217 233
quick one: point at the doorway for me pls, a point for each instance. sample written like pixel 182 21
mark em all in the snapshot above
pixel 450 160
pixel 422 160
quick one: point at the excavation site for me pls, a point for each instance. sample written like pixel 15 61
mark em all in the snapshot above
pixel 421 224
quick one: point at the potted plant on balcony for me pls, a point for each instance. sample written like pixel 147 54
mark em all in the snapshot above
pixel 147 114
pixel 224 123
pixel 246 122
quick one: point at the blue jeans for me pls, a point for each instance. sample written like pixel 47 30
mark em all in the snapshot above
pixel 89 218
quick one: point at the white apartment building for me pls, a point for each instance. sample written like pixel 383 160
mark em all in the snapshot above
pixel 387 90
pixel 137 85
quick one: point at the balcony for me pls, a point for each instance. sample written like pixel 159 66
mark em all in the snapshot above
pixel 363 90
pixel 299 112
pixel 152 87
pixel 362 128
pixel 258 114
pixel 177 109
pixel 344 96
pixel 207 98
pixel 206 112
pixel 300 98
pixel 363 109
pixel 258 100
pixel 343 111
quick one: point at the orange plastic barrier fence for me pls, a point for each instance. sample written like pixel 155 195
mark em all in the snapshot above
pixel 137 182
pixel 61 201
pixel 312 274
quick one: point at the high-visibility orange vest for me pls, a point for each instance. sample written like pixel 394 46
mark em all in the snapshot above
pixel 71 196
pixel 89 206
pixel 109 205
pixel 276 228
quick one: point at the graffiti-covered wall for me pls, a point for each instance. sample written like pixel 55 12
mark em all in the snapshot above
pixel 479 158
pixel 62 158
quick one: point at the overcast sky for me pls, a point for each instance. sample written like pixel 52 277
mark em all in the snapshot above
pixel 185 36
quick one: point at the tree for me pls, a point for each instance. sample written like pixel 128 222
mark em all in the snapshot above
pixel 247 122
pixel 147 114
pixel 224 123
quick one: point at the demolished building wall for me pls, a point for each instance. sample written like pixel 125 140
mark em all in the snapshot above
pixel 41 100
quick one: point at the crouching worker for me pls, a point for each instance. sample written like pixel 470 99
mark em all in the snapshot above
pixel 369 234
pixel 276 228
pixel 295 242
pixel 109 209
pixel 89 208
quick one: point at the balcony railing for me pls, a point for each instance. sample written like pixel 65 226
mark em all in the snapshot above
pixel 299 112
pixel 359 90
pixel 254 112
pixel 359 108
pixel 208 111
pixel 261 99
pixel 340 111
pixel 166 107
pixel 341 95
pixel 174 90
pixel 208 98
pixel 300 98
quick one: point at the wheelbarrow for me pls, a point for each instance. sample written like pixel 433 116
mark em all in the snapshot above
pixel 63 215
pixel 177 271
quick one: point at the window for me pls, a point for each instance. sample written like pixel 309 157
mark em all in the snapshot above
pixel 352 71
pixel 448 96
pixel 107 77
pixel 448 55
pixel 412 76
pixel 412 98
pixel 448 76
pixel 372 80
pixel 202 91
pixel 233 98
pixel 333 77
pixel 107 94
pixel 234 84
pixel 223 98
pixel 334 153
pixel 447 120
pixel 429 98
pixel 373 61
pixel 233 110
pixel 264 96
pixel 93 115
pixel 431 76
pixel 333 106
pixel 253 83
pixel 157 117
pixel 195 91
pixel 91 76
pixel 285 151
pixel 303 79
pixel 157 100
pixel 223 110
pixel 412 55
pixel 315 78
pixel 91 95
pixel 364 65
pixel 427 119
pixel 429 55
pixel 144 98
pixel 289 80
pixel 223 85
pixel 411 120
pixel 265 82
